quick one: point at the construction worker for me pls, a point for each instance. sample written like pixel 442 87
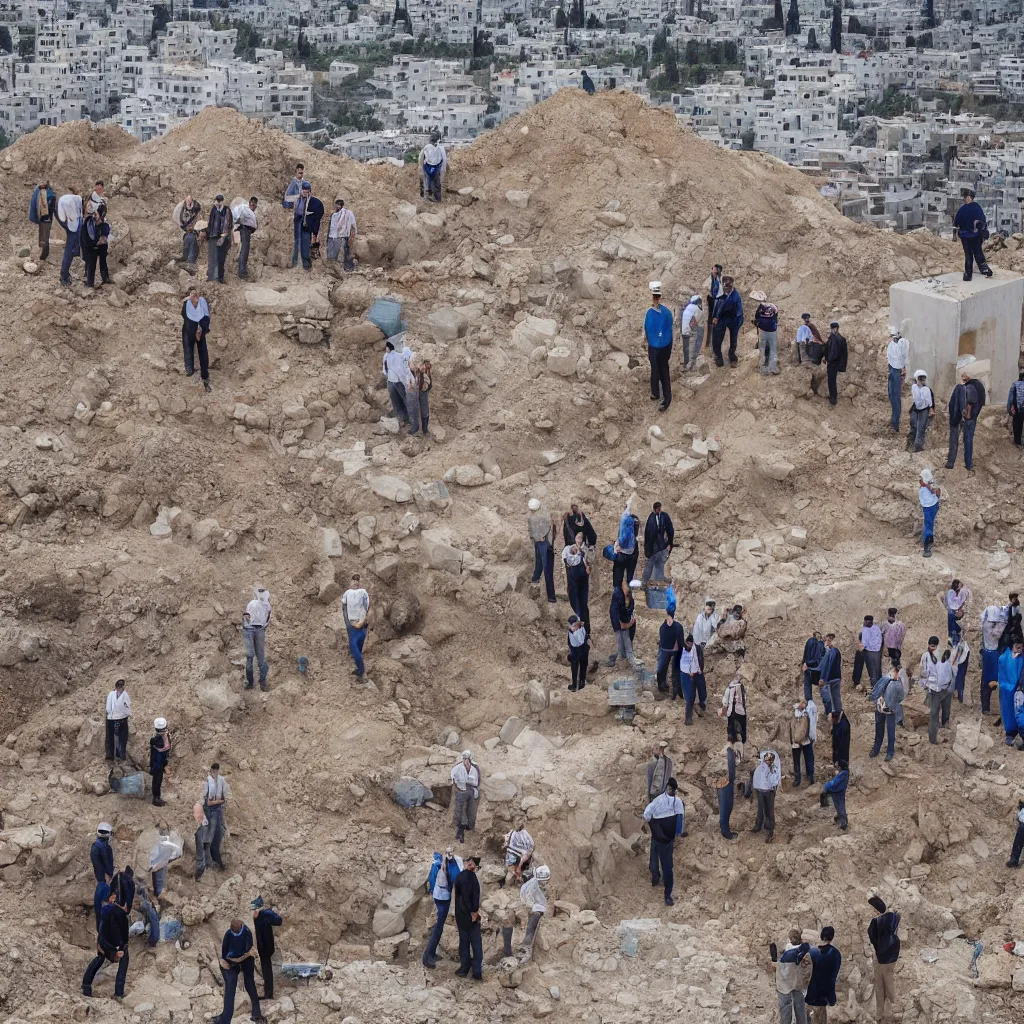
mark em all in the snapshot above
pixel 255 620
pixel 433 165
pixel 119 710
pixel 237 957
pixel 971 227
pixel 533 895
pixel 101 854
pixel 111 945
pixel 664 816
pixel 159 754
pixel 215 796
pixel 264 921
pixel 465 795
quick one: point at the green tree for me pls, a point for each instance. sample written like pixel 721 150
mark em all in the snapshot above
pixel 161 15
pixel 692 51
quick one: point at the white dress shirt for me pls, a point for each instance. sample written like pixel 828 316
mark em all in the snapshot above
pixel 804 335
pixel 898 353
pixel 343 223
pixel 663 806
pixel 118 706
pixel 258 612
pixel 691 319
pixel 689 663
pixel 922 395
pixel 69 211
pixel 216 788
pixel 928 672
pixel 357 604
pixel 704 627
pixel 463 777
pixel 396 366
pixel 245 216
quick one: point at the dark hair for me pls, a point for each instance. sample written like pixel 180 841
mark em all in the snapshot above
pixel 99 182
pixel 895 663
pixel 830 636
pixel 893 611
pixel 215 766
pixel 1013 594
pixel 718 266
pixel 843 765
pixel 933 640
pixel 954 584
pixel 474 860
pixel 254 199
pixel 300 167
pixel 672 784
pixel 869 618
pixel 828 933
pixel 657 504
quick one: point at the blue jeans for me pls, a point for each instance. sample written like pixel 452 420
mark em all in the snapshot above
pixel 190 247
pixel 544 562
pixel 839 801
pixel 952 625
pixel 435 935
pixel 961 679
pixel 397 394
pixel 928 533
pixel 305 244
pixel 808 758
pixel 661 864
pixel 831 697
pixel 693 686
pixel 895 395
pixel 669 660
pixel 967 426
pixel 296 231
pixel 726 798
pixel 884 724
pixel 810 680
pixel 72 248
pixel 252 638
pixel 247 969
pixel 99 897
pixel 356 639
pixel 989 674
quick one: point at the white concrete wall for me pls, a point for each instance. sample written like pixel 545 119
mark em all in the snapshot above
pixel 946 318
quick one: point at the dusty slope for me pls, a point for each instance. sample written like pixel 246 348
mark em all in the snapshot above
pixel 86 591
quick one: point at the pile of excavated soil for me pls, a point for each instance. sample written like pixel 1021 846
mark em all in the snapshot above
pixel 137 513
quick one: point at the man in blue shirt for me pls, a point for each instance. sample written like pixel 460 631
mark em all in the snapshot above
pixel 308 213
pixel 830 672
pixel 972 228
pixel 727 315
pixel 101 854
pixel 238 957
pixel 826 961
pixel 658 329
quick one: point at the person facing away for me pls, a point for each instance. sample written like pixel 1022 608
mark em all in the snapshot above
pixel 658 333
pixel 826 962
pixel 836 789
pixel 186 216
pixel 444 870
pixel 70 214
pixel 691 330
pixel 579 652
pixel 1015 408
pixel 245 218
pixel 264 920
pixel 433 166
pixel 971 227
pixel 883 934
pixel 727 316
pixel 111 946
pixel 195 327
pixel 792 976
pixel 965 405
pixel 659 770
pixel 664 816
pixel 42 209
pixel 159 754
pixel 237 957
pixel 814 649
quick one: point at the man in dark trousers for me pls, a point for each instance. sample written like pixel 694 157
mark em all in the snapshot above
pixel 836 352
pixel 826 961
pixel 664 815
pixel 467 917
pixel 726 315
pixel 159 754
pixel 264 921
pixel 218 239
pixel 965 405
pixel 814 649
pixel 659 533
pixel 830 670
pixel 41 211
pixel 1018 839
pixel 112 945
pixel 1015 408
pixel 309 211
pixel 971 227
pixel 840 737
pixel 883 933
pixel 575 521
pixel 237 957
pixel 101 854
pixel 658 331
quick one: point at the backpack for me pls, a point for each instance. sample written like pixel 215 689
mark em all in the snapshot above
pixel 976 395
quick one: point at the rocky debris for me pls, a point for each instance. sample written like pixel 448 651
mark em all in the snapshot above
pixel 446 324
pixel 16 843
pixel 391 488
pixel 310 301
pixel 410 792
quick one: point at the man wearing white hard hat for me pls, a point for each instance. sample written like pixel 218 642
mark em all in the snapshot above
pixel 465 794
pixel 658 331
pixel 897 355
pixel 691 329
pixel 533 895
pixel 101 856
pixel 542 527
pixel 921 411
pixel 159 753
pixel 928 494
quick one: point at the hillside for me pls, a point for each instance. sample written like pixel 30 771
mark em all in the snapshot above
pixel 527 288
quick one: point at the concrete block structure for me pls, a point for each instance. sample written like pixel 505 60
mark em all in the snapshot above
pixel 946 318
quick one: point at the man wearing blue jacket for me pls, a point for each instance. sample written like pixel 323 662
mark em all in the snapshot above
pixel 658 331
pixel 830 671
pixel 971 227
pixel 826 961
pixel 237 957
pixel 112 945
pixel 664 815
pixel 265 920
pixel 309 212
pixel 814 648
pixel 965 403
pixel 836 788
pixel 726 316
pixel 41 211
pixel 101 855
pixel 441 884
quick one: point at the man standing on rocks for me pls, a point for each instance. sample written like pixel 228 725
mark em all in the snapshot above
pixel 922 411
pixel 264 920
pixel 623 619
pixel 575 521
pixel 691 679
pixel 830 670
pixel 883 934
pixel 814 648
pixel 993 626
pixel 766 317
pixel 893 633
pixel 965 405
pixel 309 212
pixel 954 600
pixel 111 945
pixel 734 710
pixel 101 855
pixel 671 637
pixel 355 608
pixel 713 287
pixel 888 694
pixel 465 795
pixel 659 771
pixel 1011 693
pixel 870 643
pixel 70 214
pixel 727 315
pixel 704 627
pixel 664 815
pixel 466 896
pixel 897 355
pixel 840 737
pixel 440 884
pixel 159 754
pixel 658 331
pixel 542 527
pixel 341 235
pixel 218 240
pixel 215 795
pixel 792 976
pixel 237 957
pixel 245 218
pixel 186 215
pixel 579 653
pixel 971 227
pixel 767 779
pixel 1015 408
pixel 577 573
pixel 806 333
pixel 119 710
pixel 691 330
pixel 534 896
pixel 255 620
pixel 1018 839
pixel 195 326
pixel 659 533
pixel 41 210
pixel 928 494
pixel 932 681
pixel 722 778
pixel 836 353
pixel 803 731
pixel 826 962
pixel 836 788
pixel 960 656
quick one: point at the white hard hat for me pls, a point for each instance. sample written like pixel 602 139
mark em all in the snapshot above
pixel 159 724
pixel 655 287
pixel 894 332
pixel 104 828
pixel 927 476
pixel 533 504
pixel 920 373
pixel 695 298
pixel 466 755
pixel 543 873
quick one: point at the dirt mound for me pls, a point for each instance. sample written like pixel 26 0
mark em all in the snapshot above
pixel 76 153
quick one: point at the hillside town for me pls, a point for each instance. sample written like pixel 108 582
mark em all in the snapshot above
pixel 895 104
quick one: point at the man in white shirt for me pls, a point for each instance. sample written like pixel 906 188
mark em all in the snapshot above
pixel 767 779
pixel 255 620
pixel 664 816
pixel 518 851
pixel 691 329
pixel 69 216
pixel 215 795
pixel 936 679
pixel 245 219
pixel 704 627
pixel 465 795
pixel 805 334
pixel 433 165
pixel 355 606
pixel 119 710
pixel 898 355
pixel 399 377
pixel 532 895
pixel 341 235
pixel 921 412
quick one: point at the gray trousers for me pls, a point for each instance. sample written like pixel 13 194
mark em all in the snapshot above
pixel 940 702
pixel 768 343
pixel 792 1008
pixel 396 392
pixel 526 947
pixel 624 646
pixel 214 833
pixel 766 815
pixel 190 247
pixel 918 427
pixel 464 809
pixel 873 664
pixel 691 346
pixel 245 234
pixel 253 639
pixel 655 566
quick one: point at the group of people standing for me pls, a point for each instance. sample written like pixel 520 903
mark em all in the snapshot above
pixel 83 216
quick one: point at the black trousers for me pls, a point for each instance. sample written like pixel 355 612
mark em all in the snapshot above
pixel 973 253
pixel 858 667
pixel 471 948
pixel 93 969
pixel 1018 845
pixel 1018 425
pixel 718 339
pixel 89 255
pixel 736 726
pixel 117 739
pixel 158 781
pixel 578 663
pixel 189 346
pixel 267 970
pixel 247 969
pixel 661 380
pixel 832 372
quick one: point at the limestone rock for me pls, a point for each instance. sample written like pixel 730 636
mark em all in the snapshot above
pixel 536 695
pixel 392 488
pixel 773 468
pixel 432 496
pixel 518 198
pixel 330 542
pixel 447 324
pixel 438 552
pixel 410 792
pixel 510 730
